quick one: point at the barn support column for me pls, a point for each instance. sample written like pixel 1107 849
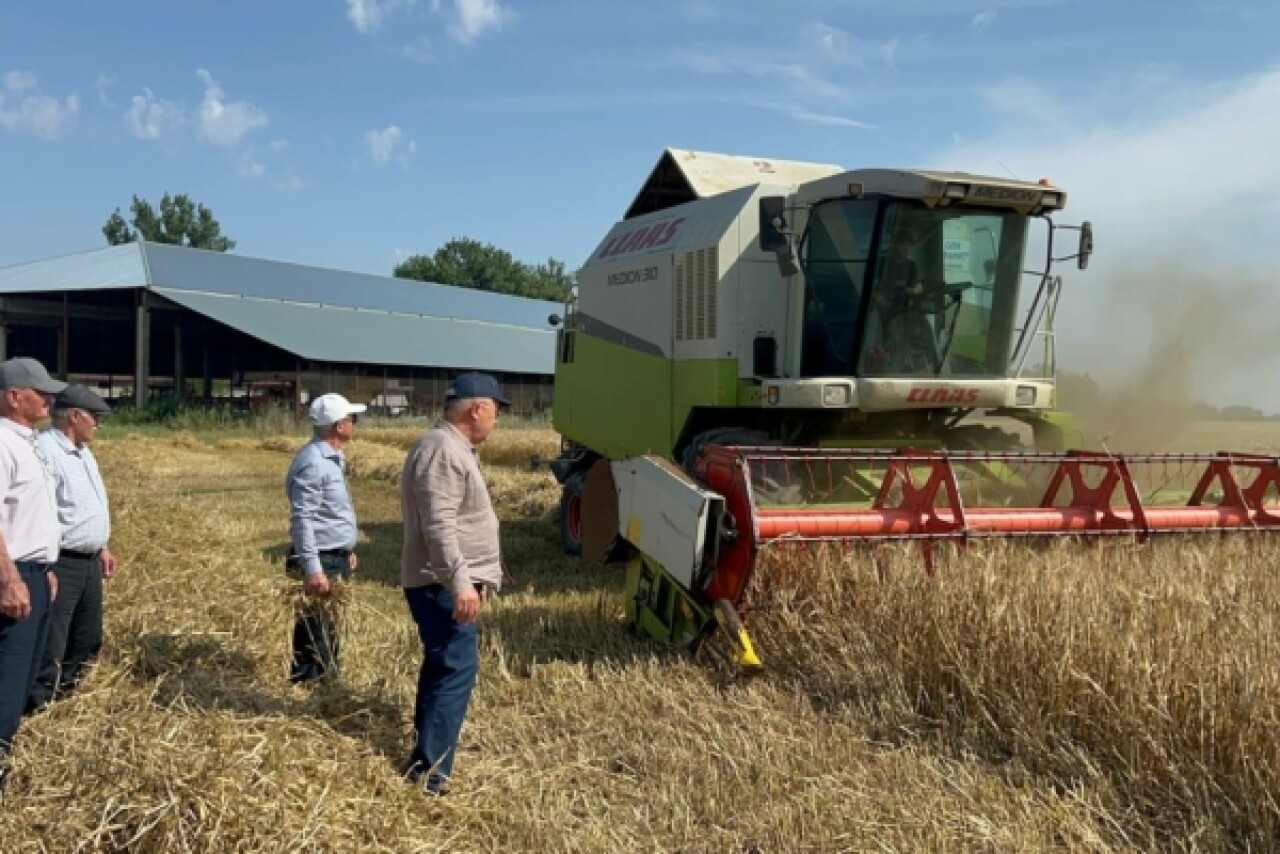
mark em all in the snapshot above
pixel 141 350
pixel 179 368
pixel 206 366
pixel 64 341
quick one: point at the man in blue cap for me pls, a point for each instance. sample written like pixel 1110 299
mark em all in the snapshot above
pixel 450 565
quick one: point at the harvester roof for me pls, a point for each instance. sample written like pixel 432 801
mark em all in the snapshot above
pixel 683 176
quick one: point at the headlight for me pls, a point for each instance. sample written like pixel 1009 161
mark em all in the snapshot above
pixel 835 395
pixel 773 395
pixel 1026 396
pixel 1051 201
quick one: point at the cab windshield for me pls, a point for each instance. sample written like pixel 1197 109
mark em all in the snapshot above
pixel 936 297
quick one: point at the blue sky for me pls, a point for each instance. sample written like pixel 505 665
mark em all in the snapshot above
pixel 348 133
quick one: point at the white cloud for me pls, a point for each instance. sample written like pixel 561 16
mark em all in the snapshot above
pixel 811 117
pixel 254 167
pixel 1028 100
pixel 368 16
pixel 388 145
pixel 102 85
pixel 801 80
pixel 225 123
pixel 982 20
pixel 832 42
pixel 249 166
pixel 25 109
pixel 278 145
pixel 889 53
pixel 470 19
pixel 20 81
pixel 464 20
pixel 152 118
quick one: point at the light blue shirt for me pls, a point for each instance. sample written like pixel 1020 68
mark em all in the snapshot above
pixel 84 514
pixel 321 516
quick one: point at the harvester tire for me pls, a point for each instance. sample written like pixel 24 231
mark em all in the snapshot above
pixel 571 513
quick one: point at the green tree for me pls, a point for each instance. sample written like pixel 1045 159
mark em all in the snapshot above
pixel 469 263
pixel 181 222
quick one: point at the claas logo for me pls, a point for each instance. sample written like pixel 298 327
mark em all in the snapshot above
pixel 648 237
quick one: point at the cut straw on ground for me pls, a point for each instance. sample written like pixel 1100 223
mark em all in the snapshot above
pixel 1058 698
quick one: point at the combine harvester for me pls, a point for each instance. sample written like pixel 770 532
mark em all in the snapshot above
pixel 765 352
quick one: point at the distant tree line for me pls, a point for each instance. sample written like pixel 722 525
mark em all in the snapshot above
pixel 1082 393
pixel 469 263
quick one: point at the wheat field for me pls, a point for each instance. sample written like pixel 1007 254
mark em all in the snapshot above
pixel 1060 697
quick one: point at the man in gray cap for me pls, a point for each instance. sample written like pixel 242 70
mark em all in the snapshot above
pixel 84 558
pixel 450 564
pixel 29 537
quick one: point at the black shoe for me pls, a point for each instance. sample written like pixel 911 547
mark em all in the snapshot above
pixel 415 771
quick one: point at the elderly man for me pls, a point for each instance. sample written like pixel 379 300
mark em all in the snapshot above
pixel 450 565
pixel 322 525
pixel 84 560
pixel 29 538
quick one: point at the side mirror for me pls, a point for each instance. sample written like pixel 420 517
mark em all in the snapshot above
pixel 772 223
pixel 1086 245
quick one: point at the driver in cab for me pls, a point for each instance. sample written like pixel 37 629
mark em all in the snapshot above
pixel 900 282
pixel 907 338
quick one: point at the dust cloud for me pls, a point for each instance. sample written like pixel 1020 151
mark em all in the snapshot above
pixel 1166 339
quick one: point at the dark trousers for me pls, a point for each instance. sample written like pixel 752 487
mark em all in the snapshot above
pixel 21 649
pixel 316 645
pixel 450 661
pixel 75 629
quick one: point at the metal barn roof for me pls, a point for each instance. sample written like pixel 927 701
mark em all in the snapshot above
pixel 364 336
pixel 313 312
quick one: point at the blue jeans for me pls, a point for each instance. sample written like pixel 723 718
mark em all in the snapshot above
pixel 21 650
pixel 450 661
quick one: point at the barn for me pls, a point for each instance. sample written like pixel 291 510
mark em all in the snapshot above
pixel 143 322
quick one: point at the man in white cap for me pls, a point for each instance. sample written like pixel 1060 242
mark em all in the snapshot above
pixel 322 525
pixel 29 535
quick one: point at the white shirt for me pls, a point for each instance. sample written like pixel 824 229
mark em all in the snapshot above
pixel 28 509
pixel 83 511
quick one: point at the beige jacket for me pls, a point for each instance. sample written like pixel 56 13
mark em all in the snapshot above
pixel 450 528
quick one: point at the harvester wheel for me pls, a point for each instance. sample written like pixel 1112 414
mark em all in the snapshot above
pixel 571 513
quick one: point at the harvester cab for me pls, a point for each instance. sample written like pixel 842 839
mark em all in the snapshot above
pixel 764 351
